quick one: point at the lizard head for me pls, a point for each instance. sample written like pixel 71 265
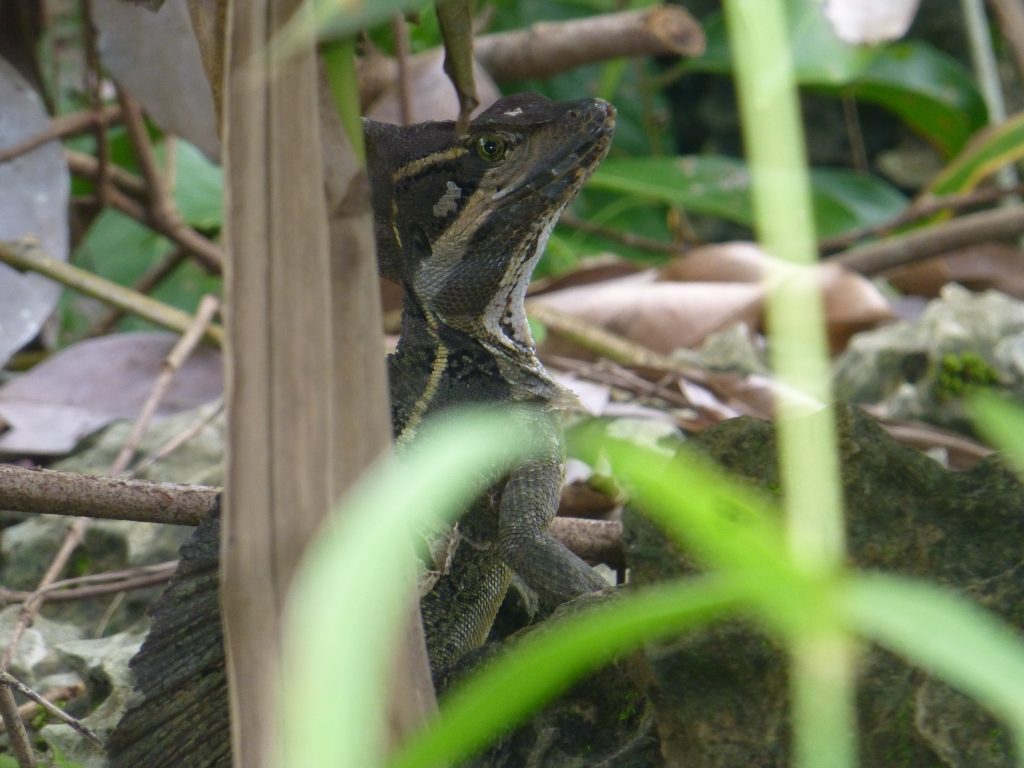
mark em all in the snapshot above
pixel 461 221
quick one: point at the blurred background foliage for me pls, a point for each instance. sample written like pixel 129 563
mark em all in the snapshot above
pixel 882 121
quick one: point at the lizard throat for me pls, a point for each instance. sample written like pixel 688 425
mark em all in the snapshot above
pixel 504 319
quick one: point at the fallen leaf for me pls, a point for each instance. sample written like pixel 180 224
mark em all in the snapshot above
pixel 995 266
pixel 33 203
pixel 708 290
pixel 662 316
pixel 431 94
pixel 156 57
pixel 97 381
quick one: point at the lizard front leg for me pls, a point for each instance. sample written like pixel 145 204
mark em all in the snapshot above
pixel 529 501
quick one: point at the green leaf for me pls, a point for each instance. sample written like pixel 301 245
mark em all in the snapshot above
pixel 931 92
pixel 119 248
pixel 551 658
pixel 844 200
pixel 198 188
pixel 946 635
pixel 986 153
pixel 719 519
pixel 927 89
pixel 349 593
pixel 720 186
pixel 1002 423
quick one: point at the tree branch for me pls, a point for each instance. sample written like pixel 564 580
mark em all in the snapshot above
pixel 997 224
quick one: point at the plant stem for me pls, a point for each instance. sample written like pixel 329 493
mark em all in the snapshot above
pixel 822 671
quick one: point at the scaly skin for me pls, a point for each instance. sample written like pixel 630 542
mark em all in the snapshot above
pixel 462 232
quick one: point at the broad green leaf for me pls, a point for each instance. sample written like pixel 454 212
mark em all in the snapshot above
pixel 349 594
pixel 927 89
pixel 844 200
pixel 120 249
pixel 198 188
pixel 989 150
pixel 946 635
pixel 930 91
pixel 551 658
pixel 720 186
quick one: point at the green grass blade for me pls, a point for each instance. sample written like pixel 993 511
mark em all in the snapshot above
pixel 946 635
pixel 1003 424
pixel 349 594
pixel 988 151
pixel 550 659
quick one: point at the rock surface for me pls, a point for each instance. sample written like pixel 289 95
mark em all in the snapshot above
pixel 721 695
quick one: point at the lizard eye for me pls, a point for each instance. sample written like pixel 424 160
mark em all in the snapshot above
pixel 490 147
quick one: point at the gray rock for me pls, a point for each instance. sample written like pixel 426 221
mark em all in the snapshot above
pixel 721 695
pixel 921 370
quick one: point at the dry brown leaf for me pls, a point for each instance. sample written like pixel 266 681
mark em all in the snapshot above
pixel 33 203
pixel 156 57
pixel 431 94
pixel 852 302
pixel 88 385
pixel 662 316
pixel 708 290
pixel 734 262
pixel 979 267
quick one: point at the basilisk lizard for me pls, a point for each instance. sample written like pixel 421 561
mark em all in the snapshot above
pixel 460 222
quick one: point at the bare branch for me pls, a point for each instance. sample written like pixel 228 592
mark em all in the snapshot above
pixel 64 125
pixel 547 49
pixel 9 680
pixel 44 491
pixel 26 255
pixel 998 224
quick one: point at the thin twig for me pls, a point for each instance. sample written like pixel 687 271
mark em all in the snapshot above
pixel 64 125
pixel 161 206
pixel 16 733
pixel 174 229
pixel 128 195
pixel 922 209
pixel 29 709
pixel 1003 223
pixel 9 680
pixel 93 82
pixel 208 306
pixel 400 33
pixel 26 255
pixel 72 538
pixel 178 440
pixel 86 166
pixel 95 584
pixel 851 119
pixel 149 280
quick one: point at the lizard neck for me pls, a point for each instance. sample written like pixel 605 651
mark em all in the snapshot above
pixel 436 366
